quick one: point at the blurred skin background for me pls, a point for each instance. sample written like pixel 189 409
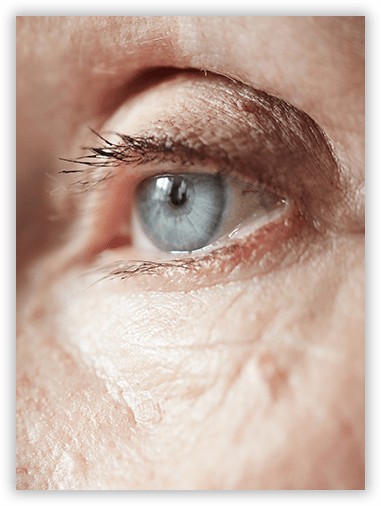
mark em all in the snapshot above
pixel 246 369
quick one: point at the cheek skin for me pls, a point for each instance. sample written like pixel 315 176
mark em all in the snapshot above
pixel 65 419
pixel 263 376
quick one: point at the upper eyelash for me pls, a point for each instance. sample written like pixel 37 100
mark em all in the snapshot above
pixel 111 155
pixel 138 150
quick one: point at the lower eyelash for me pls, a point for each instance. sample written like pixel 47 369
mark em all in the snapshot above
pixel 256 253
pixel 126 271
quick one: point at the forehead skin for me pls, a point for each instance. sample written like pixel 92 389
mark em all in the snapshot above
pixel 297 384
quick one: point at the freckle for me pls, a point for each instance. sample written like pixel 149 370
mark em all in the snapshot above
pixel 346 429
pixel 275 377
pixel 38 313
pixel 22 470
pixel 278 381
pixel 24 381
pixel 117 242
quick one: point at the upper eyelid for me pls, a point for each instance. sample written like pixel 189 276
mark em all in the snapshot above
pixel 146 150
pixel 299 162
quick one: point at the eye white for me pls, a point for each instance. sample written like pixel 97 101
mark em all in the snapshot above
pixel 182 213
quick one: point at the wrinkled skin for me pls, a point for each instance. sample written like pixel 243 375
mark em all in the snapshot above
pixel 251 381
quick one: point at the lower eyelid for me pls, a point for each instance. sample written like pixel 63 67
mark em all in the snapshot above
pixel 255 254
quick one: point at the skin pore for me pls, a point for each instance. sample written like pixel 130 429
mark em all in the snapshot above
pixel 244 369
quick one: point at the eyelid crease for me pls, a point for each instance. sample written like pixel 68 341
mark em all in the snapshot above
pixel 275 146
pixel 144 149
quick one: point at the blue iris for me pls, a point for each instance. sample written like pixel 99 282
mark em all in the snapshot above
pixel 182 212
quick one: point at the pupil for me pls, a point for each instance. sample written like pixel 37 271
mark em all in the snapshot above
pixel 178 192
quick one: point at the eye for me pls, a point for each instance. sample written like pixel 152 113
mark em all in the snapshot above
pixel 187 212
pixel 204 177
